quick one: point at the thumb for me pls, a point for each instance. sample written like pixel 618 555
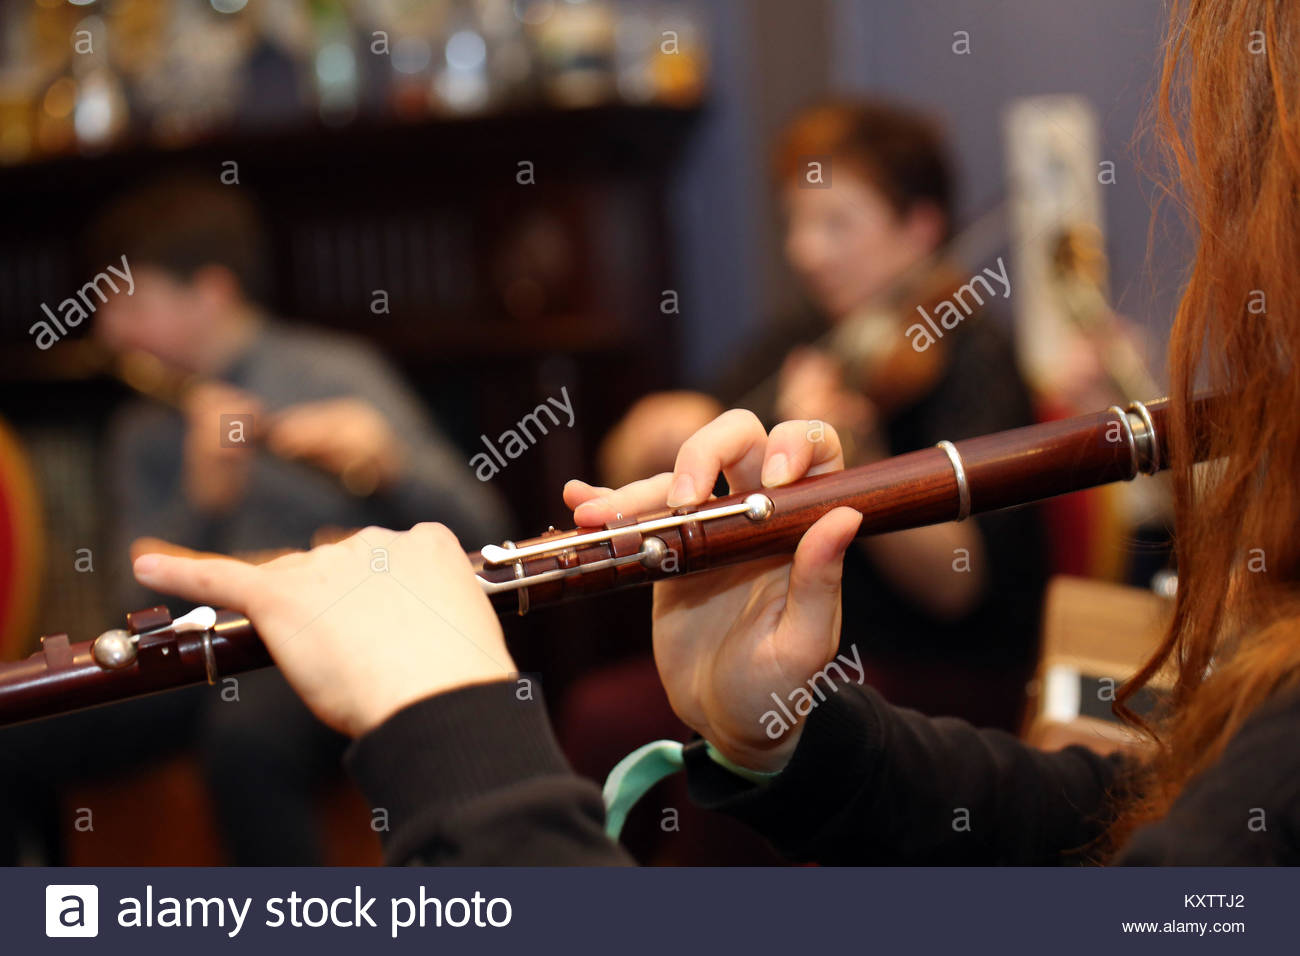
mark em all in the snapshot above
pixel 215 581
pixel 812 603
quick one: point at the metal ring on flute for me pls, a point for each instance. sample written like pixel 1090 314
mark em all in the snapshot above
pixel 1128 437
pixel 1150 439
pixel 524 603
pixel 958 469
pixel 209 658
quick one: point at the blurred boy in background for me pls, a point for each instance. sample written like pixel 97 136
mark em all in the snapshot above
pixel 274 432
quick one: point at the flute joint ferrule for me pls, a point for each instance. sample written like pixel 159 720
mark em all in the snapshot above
pixel 1146 443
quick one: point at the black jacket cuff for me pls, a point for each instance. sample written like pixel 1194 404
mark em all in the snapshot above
pixel 837 757
pixel 450 750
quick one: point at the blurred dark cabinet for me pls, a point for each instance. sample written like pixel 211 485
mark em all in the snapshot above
pixel 498 260
pixel 494 258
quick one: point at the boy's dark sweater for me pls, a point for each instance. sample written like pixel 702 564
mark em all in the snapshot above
pixel 475 777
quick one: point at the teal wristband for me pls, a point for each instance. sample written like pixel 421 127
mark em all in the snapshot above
pixel 644 767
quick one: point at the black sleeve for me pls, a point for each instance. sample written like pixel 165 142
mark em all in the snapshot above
pixel 1242 811
pixel 475 778
pixel 870 783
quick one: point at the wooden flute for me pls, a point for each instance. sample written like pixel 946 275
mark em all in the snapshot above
pixel 948 482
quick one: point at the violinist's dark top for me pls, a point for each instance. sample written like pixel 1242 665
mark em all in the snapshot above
pixel 980 391
pixel 475 777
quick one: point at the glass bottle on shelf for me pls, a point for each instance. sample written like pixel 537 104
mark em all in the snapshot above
pixel 575 43
pixel 99 115
pixel 278 88
pixel 137 31
pixel 402 32
pixel 196 84
pixel 461 81
pixel 334 63
pixel 662 55
pixel 49 47
pixel 20 84
pixel 512 67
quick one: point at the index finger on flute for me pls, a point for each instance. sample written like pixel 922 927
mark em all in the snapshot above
pixel 732 444
pixel 648 494
pixel 798 449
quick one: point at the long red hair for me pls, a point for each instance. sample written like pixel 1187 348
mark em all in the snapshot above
pixel 1228 118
